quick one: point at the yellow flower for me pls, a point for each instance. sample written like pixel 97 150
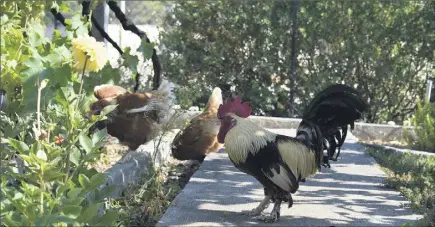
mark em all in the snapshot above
pixel 87 47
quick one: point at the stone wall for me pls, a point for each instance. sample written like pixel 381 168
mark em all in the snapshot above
pixel 363 131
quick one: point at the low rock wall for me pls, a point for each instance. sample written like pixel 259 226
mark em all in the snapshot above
pixel 362 131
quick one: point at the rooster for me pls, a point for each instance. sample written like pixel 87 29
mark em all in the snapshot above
pixel 138 117
pixel 280 162
pixel 198 138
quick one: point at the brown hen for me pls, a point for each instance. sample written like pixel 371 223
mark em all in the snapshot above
pixel 198 138
pixel 138 116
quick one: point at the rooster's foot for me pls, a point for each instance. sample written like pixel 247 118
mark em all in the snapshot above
pixel 257 211
pixel 326 165
pixel 253 212
pixel 271 218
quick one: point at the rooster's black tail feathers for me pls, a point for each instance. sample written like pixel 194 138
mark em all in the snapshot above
pixel 332 109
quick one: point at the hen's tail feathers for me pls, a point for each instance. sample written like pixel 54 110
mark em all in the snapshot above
pixel 163 99
pixel 3 99
pixel 331 110
pixel 167 88
pixel 215 100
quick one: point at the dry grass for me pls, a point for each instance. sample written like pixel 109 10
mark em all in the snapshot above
pixel 143 204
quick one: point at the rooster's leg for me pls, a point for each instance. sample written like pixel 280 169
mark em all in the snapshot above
pixel 274 215
pixel 257 211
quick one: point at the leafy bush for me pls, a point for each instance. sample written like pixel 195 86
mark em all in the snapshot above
pixel 423 121
pixel 413 175
pixel 247 45
pixel 45 122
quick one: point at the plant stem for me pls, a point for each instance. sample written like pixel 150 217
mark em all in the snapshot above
pixel 77 168
pixel 41 211
pixel 81 81
pixel 38 115
pixel 68 152
pixel 38 107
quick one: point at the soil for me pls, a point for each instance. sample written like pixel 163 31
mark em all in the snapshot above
pixel 173 177
pixel 144 205
pixel 113 152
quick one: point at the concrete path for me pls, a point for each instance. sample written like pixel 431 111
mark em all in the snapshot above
pixel 347 194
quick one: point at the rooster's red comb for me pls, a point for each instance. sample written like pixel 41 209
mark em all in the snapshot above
pixel 236 107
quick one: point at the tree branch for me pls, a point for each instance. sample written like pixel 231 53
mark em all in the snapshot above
pixel 58 16
pixel 86 10
pixel 105 35
pixel 128 25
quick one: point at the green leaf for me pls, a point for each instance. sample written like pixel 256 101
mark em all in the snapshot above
pixel 51 175
pixel 75 156
pixel 63 7
pixel 72 211
pixel 55 161
pixel 19 146
pixel 12 219
pixel 89 213
pixel 61 189
pixel 68 93
pixel 98 137
pixel 73 201
pixel 74 192
pixel 146 49
pixel 109 218
pixel 76 23
pixel 97 180
pixel 54 59
pixel 61 99
pixel 52 219
pixel 34 65
pixel 91 196
pixel 27 158
pixel 108 109
pixel 84 181
pixel 86 143
pixel 105 193
pixel 91 157
pixel 36 33
pixel 130 61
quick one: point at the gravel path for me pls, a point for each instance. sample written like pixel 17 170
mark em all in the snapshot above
pixel 349 194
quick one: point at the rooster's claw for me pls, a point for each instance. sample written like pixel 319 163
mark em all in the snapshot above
pixel 272 218
pixel 253 212
pixel 326 165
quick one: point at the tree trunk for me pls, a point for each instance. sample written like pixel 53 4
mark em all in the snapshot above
pixel 293 75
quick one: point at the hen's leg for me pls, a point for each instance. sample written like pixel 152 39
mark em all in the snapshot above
pixel 274 215
pixel 257 211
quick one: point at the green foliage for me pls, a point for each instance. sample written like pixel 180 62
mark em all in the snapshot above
pixel 423 122
pixel 384 48
pixel 146 12
pixel 56 177
pixel 46 124
pixel 414 176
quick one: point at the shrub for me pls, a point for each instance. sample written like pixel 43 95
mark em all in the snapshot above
pixel 45 124
pixel 414 176
pixel 423 121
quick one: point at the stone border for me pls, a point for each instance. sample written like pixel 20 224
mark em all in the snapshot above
pixel 135 162
pixel 363 131
pixel 402 150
